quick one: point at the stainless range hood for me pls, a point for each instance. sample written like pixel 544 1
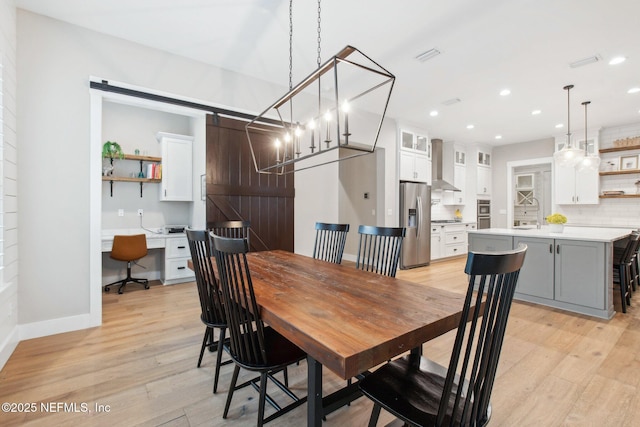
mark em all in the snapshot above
pixel 438 184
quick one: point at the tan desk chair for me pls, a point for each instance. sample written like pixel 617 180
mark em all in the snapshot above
pixel 128 248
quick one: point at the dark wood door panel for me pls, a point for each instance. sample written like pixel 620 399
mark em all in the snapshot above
pixel 235 191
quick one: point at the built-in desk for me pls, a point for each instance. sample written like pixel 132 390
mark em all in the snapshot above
pixel 176 252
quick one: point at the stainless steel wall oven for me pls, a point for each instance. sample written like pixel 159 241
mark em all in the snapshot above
pixel 484 214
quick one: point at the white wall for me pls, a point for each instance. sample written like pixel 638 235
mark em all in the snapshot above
pixel 9 285
pixel 136 128
pixel 55 61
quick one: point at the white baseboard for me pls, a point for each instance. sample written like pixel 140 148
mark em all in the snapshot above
pixel 8 346
pixel 350 257
pixel 58 326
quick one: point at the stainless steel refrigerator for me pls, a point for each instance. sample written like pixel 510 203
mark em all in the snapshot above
pixel 415 216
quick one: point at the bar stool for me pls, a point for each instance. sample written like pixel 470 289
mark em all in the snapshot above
pixel 623 270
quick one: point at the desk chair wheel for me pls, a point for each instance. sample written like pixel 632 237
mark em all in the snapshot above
pixel 107 289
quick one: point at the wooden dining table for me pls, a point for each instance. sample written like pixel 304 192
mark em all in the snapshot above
pixel 346 319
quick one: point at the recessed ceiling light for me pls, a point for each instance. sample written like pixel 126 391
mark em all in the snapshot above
pixel 559 125
pixel 433 113
pixel 470 126
pixel 536 112
pixel 505 92
pixel 585 61
pixel 617 60
pixel 498 136
pixel 634 90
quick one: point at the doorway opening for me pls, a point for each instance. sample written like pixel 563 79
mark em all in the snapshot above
pixel 529 192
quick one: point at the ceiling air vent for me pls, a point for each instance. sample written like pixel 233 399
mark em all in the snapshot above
pixel 585 61
pixel 451 101
pixel 425 56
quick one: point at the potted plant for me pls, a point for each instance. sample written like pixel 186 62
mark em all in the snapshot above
pixel 556 222
pixel 111 150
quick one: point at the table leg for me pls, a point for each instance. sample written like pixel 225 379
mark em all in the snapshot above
pixel 314 393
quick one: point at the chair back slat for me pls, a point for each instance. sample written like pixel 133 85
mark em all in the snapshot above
pixel 480 335
pixel 379 249
pixel 208 289
pixel 246 329
pixel 231 229
pixel 330 241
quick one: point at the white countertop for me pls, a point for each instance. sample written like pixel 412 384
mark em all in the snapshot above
pixel 434 222
pixel 152 233
pixel 595 234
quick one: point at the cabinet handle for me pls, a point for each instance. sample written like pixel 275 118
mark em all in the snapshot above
pixel 455 237
pixel 550 248
pixel 181 268
pixel 557 249
pixel 181 247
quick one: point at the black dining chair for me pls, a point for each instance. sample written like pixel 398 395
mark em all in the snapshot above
pixel 423 393
pixel 623 269
pixel 253 346
pixel 212 308
pixel 379 249
pixel 330 241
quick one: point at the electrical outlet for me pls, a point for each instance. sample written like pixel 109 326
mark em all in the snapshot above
pixel 140 212
pixel 120 212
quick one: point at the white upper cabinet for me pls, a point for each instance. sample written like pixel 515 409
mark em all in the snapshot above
pixel 575 187
pixel 483 181
pixel 415 142
pixel 177 166
pixel 415 157
pixel 483 171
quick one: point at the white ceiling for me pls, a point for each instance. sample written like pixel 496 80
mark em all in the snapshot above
pixel 489 45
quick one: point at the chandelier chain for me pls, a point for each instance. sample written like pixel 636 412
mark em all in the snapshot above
pixel 319 35
pixel 290 44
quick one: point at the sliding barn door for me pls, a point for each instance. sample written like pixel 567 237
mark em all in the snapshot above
pixel 235 191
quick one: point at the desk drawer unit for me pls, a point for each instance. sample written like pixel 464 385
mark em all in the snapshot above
pixel 176 257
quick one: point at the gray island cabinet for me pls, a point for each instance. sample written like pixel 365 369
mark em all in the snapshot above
pixel 570 270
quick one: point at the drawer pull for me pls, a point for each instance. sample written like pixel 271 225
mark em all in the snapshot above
pixel 181 268
pixel 181 247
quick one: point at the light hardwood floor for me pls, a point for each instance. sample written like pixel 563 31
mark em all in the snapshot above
pixel 556 369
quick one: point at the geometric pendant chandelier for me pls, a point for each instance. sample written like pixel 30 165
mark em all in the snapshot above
pixel 334 114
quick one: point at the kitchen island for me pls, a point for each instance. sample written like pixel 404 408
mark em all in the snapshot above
pixel 572 270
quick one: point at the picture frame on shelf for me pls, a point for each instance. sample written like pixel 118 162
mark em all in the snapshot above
pixel 628 163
